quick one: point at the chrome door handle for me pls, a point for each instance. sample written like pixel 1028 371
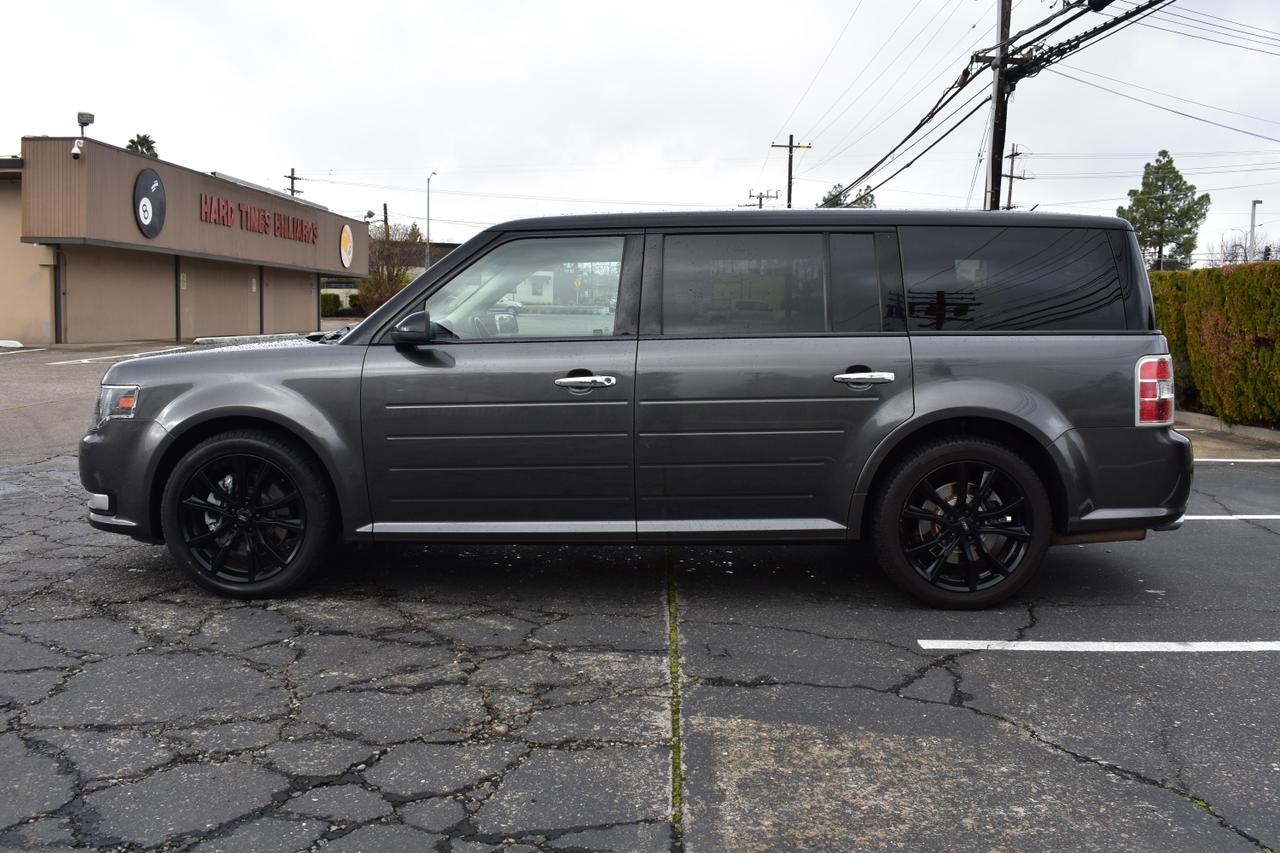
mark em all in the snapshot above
pixel 578 382
pixel 862 381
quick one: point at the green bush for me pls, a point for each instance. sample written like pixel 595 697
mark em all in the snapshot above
pixel 1222 325
pixel 330 305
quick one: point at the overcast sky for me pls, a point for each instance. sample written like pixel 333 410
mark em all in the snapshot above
pixel 537 108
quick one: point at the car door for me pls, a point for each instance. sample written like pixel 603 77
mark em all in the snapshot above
pixel 770 366
pixel 516 420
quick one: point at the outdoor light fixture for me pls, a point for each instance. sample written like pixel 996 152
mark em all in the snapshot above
pixel 84 120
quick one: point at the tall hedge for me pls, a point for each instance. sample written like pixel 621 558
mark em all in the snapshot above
pixel 1223 324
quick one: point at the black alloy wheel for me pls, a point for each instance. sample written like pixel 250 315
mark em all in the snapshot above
pixel 247 513
pixel 242 518
pixel 962 523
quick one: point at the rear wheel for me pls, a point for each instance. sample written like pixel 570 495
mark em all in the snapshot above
pixel 247 514
pixel 961 523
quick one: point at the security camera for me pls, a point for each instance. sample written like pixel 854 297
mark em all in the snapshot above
pixel 76 148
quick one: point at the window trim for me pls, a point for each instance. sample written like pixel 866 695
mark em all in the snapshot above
pixel 626 313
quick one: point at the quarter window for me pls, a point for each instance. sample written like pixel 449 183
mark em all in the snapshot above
pixel 855 284
pixel 555 287
pixel 716 285
pixel 1011 279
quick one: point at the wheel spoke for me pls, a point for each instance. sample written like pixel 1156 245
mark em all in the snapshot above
pixel 942 558
pixel 920 513
pixel 270 550
pixel 933 495
pixel 279 502
pixel 259 479
pixel 238 473
pixel 925 546
pixel 986 482
pixel 994 564
pixel 285 523
pixel 205 506
pixel 970 568
pixel 962 487
pixel 215 487
pixel 252 547
pixel 200 539
pixel 1013 531
pixel 220 558
pixel 1003 509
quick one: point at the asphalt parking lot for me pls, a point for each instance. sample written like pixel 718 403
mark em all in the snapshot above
pixel 468 699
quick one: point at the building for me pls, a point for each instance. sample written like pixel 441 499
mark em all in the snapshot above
pixel 102 244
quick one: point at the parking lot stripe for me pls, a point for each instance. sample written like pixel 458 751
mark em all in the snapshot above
pixel 1096 646
pixel 1231 518
pixel 1233 461
pixel 116 357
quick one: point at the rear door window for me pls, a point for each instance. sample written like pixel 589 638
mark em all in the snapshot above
pixel 966 278
pixel 723 285
pixel 855 284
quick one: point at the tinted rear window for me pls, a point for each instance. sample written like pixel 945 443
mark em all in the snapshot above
pixel 855 284
pixel 736 284
pixel 1010 279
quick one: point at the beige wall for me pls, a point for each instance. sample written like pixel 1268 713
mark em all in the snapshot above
pixel 218 298
pixel 116 295
pixel 289 301
pixel 26 276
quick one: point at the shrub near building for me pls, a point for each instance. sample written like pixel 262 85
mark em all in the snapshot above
pixel 1222 325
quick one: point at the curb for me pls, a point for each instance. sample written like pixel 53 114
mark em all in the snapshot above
pixel 244 339
pixel 1196 420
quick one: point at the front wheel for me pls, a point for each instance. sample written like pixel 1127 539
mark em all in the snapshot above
pixel 247 514
pixel 961 523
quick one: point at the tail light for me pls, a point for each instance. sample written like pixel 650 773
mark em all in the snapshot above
pixel 1154 390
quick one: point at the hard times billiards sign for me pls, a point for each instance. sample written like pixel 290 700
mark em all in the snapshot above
pixel 218 210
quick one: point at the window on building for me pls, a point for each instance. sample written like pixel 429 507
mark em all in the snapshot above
pixel 1010 279
pixel 717 285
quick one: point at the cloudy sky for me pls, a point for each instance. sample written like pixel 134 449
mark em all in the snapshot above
pixel 536 108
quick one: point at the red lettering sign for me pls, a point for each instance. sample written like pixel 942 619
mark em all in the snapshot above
pixel 225 212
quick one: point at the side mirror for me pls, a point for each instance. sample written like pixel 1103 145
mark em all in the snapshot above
pixel 412 330
pixel 505 323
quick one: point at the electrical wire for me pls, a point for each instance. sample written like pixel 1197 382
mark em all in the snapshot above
pixel 403 188
pixel 1166 109
pixel 1206 38
pixel 1170 95
pixel 1186 8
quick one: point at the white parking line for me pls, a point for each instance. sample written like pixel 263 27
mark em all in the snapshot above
pixel 1231 518
pixel 21 351
pixel 116 357
pixel 1096 646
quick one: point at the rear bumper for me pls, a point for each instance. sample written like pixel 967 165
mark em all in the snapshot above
pixel 1124 478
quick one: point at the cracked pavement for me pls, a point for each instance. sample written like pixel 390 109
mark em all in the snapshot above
pixel 478 698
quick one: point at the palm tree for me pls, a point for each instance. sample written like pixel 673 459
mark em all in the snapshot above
pixel 143 144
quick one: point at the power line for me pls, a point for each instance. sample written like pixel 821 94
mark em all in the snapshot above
pixel 1169 95
pixel 403 188
pixel 1185 8
pixel 1206 38
pixel 817 73
pixel 1168 109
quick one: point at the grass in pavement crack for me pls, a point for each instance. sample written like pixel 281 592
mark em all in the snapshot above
pixel 673 657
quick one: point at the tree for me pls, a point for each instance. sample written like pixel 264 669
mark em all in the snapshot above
pixel 1166 214
pixel 391 256
pixel 835 197
pixel 143 144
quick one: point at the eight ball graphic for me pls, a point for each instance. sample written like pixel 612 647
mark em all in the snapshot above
pixel 148 203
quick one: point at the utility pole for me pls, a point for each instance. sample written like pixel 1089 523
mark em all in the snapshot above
pixel 760 198
pixel 386 224
pixel 293 179
pixel 429 177
pixel 1014 153
pixel 1253 224
pixel 999 104
pixel 791 149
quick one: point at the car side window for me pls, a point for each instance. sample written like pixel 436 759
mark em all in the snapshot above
pixel 1011 279
pixel 718 285
pixel 552 287
pixel 855 284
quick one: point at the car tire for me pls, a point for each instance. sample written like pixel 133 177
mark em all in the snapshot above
pixel 961 547
pixel 247 514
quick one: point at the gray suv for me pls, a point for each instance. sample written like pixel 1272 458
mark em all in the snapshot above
pixel 962 389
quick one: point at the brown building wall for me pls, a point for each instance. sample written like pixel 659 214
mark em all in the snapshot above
pixel 289 301
pixel 218 298
pixel 91 200
pixel 115 295
pixel 26 276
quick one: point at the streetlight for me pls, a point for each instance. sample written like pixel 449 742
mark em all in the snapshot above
pixel 1253 223
pixel 429 177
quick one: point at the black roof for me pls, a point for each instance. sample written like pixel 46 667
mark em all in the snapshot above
pixel 811 217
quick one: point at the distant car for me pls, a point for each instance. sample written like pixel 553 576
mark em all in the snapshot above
pixel 964 389
pixel 509 303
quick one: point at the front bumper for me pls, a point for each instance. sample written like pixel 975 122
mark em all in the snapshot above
pixel 116 463
pixel 1124 478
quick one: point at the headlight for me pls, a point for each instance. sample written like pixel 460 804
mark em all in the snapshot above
pixel 114 401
